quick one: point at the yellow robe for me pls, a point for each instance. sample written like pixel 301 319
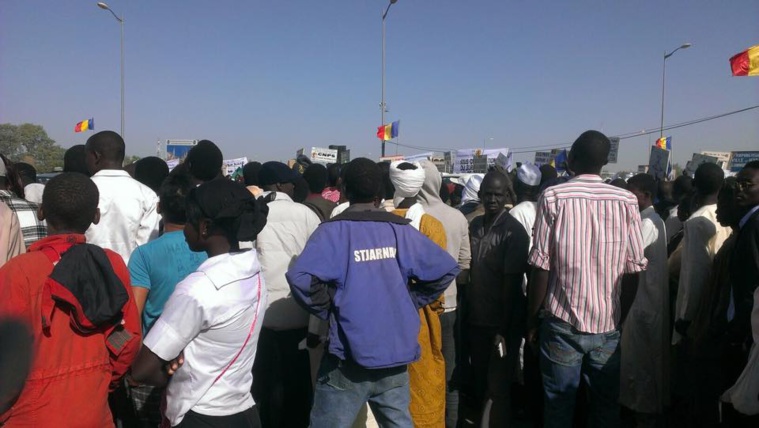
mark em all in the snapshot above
pixel 427 376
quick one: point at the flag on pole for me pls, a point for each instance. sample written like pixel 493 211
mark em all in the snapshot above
pixel 388 132
pixel 664 143
pixel 746 63
pixel 85 125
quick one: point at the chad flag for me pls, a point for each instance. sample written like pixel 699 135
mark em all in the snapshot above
pixel 746 63
pixel 88 124
pixel 388 132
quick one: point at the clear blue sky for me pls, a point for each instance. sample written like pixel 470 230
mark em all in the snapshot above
pixel 264 78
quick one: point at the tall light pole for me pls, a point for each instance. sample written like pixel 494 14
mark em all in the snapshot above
pixel 663 74
pixel 383 107
pixel 121 21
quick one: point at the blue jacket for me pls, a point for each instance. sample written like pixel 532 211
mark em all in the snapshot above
pixel 370 272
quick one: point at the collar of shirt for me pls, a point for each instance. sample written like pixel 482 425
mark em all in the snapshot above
pixel 362 207
pixel 59 242
pixel 7 193
pixel 648 210
pixel 592 178
pixel 746 217
pixel 112 173
pixel 280 197
pixel 227 268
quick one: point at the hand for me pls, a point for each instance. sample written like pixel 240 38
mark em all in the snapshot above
pixel 312 340
pixel 500 346
pixel 174 365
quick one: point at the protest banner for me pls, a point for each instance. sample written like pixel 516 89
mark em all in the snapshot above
pixel 658 163
pixel 323 156
pixel 465 160
pixel 696 161
pixel 230 165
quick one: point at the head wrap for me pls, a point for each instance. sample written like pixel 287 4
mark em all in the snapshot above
pixel 529 174
pixel 407 182
pixel 472 189
pixel 227 201
pixel 276 173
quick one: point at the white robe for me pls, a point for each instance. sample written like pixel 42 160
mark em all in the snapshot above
pixel 644 382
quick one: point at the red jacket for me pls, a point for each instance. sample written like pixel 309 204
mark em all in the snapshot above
pixel 72 372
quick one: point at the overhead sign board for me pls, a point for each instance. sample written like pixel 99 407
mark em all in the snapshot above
pixel 178 149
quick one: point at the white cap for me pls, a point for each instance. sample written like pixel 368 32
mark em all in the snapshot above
pixel 529 174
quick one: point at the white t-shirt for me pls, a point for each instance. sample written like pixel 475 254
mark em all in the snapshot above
pixel 209 316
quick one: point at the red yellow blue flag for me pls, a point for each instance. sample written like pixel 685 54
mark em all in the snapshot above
pixel 664 143
pixel 388 132
pixel 87 124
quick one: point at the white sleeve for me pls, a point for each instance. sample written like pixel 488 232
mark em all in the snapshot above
pixel 182 320
pixel 649 231
pixel 148 229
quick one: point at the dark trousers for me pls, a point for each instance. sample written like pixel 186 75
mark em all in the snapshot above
pixel 450 331
pixel 493 375
pixel 282 379
pixel 245 419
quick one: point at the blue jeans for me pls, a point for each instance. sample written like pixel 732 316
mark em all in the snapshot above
pixel 342 387
pixel 565 355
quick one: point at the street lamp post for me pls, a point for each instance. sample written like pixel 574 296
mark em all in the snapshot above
pixel 663 74
pixel 121 22
pixel 383 107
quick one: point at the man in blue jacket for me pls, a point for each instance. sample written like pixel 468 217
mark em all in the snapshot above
pixel 368 271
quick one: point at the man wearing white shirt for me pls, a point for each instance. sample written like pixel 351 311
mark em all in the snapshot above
pixel 702 239
pixel 644 381
pixel 282 371
pixel 128 215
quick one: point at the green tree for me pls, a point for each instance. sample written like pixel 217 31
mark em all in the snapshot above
pixel 30 143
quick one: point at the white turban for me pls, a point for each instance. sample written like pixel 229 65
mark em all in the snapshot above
pixel 408 182
pixel 472 189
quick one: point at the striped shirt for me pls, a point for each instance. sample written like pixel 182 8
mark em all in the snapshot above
pixel 587 235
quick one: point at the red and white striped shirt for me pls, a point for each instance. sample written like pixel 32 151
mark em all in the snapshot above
pixel 587 235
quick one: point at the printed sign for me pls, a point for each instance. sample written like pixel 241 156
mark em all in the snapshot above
pixel 614 150
pixel 323 156
pixel 465 160
pixel 542 158
pixel 658 163
pixel 230 165
pixel 739 159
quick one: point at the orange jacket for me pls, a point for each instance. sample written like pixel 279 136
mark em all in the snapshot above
pixel 72 372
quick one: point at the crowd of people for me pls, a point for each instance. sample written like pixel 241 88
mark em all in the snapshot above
pixel 310 295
